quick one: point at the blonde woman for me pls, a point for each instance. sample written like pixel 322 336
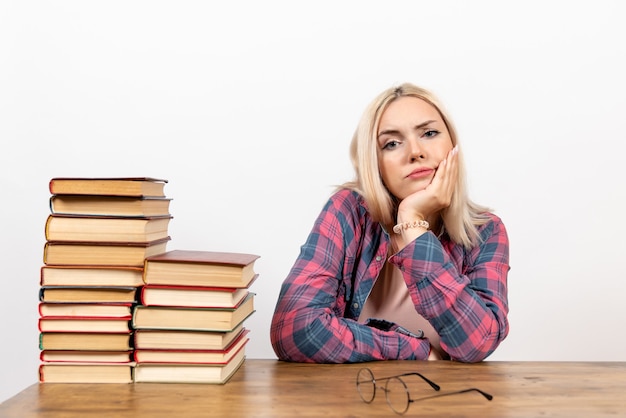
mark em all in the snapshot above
pixel 400 263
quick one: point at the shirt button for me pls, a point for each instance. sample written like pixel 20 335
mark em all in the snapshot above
pixel 355 305
pixel 378 258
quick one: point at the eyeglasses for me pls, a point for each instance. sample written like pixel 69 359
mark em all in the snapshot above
pixel 396 391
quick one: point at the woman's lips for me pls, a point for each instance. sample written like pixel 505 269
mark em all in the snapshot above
pixel 420 173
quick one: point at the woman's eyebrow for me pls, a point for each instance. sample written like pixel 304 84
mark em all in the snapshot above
pixel 395 131
pixel 388 132
pixel 424 124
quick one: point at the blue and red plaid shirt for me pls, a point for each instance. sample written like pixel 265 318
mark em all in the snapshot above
pixel 462 293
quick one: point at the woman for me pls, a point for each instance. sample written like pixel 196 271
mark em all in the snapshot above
pixel 400 264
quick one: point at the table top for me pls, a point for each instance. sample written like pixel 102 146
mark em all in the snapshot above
pixel 279 389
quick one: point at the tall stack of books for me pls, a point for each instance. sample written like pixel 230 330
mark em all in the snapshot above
pixel 98 235
pixel 189 323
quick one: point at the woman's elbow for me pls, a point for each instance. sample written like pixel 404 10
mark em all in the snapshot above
pixel 285 341
pixel 303 341
pixel 475 350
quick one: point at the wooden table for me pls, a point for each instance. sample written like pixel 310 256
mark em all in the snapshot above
pixel 270 388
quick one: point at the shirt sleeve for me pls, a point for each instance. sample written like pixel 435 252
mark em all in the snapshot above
pixel 465 301
pixel 309 323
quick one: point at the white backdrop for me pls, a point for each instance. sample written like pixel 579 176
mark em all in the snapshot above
pixel 247 108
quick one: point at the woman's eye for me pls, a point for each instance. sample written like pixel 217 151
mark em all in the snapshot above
pixel 389 145
pixel 431 133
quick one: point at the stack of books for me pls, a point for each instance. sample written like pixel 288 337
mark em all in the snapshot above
pixel 98 235
pixel 189 323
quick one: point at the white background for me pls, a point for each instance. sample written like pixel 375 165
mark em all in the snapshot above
pixel 247 108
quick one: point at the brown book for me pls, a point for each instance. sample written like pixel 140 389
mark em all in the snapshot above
pixel 84 324
pixel 188 373
pixel 185 340
pixel 85 341
pixel 200 268
pixel 105 310
pixel 188 296
pixel 81 356
pixel 77 228
pixel 192 319
pixel 109 205
pixel 88 294
pixel 85 373
pixel 130 254
pixel 111 186
pixel 191 356
pixel 91 276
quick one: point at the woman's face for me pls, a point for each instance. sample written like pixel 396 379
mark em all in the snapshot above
pixel 412 141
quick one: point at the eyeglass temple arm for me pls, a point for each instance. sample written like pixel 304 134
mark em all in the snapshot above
pixel 424 378
pixel 485 394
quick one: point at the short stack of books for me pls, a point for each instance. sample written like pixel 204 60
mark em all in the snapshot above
pixel 189 323
pixel 98 235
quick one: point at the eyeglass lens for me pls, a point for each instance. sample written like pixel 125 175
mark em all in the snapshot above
pixel 366 385
pixel 397 395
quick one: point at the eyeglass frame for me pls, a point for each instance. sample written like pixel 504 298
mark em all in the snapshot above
pixel 409 400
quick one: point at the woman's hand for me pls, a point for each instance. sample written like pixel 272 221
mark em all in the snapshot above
pixel 436 196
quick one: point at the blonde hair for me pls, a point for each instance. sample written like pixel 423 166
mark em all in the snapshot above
pixel 460 219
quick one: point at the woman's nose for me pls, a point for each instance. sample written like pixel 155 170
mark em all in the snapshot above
pixel 415 148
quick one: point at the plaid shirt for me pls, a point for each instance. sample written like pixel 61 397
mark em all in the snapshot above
pixel 463 293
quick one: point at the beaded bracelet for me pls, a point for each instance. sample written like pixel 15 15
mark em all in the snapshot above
pixel 414 224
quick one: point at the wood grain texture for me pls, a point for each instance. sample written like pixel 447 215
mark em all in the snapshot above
pixel 270 388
